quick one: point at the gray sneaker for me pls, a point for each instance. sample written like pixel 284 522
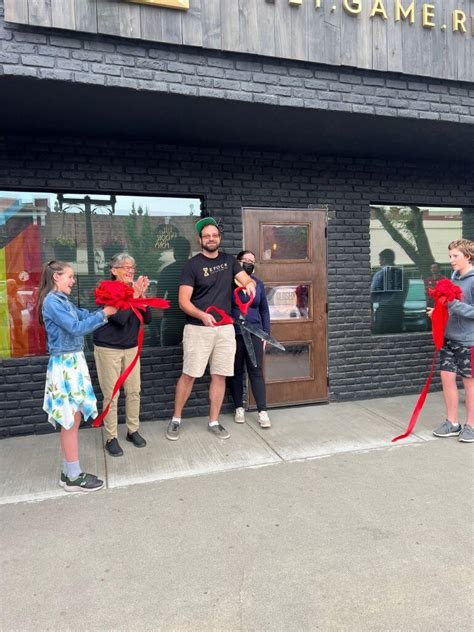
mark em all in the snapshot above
pixel 219 431
pixel 447 429
pixel 467 434
pixel 172 432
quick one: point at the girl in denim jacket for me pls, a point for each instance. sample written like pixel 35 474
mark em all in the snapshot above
pixel 68 392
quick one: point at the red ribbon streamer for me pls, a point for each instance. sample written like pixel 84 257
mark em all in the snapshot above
pixel 120 295
pixel 443 293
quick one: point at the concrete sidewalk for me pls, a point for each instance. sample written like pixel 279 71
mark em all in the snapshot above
pixel 319 523
pixel 30 466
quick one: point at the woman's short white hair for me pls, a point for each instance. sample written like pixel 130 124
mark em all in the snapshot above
pixel 119 259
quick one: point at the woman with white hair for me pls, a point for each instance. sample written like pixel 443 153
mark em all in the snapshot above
pixel 115 346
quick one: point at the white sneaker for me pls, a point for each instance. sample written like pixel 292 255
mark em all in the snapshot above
pixel 239 417
pixel 264 419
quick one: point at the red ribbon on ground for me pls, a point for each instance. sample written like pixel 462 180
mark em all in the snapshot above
pixel 443 293
pixel 120 295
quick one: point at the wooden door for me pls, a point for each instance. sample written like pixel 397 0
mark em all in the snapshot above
pixel 290 251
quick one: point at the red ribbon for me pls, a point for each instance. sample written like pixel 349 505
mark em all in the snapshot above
pixel 443 293
pixel 120 295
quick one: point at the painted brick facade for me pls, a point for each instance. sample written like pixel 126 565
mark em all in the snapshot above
pixel 360 364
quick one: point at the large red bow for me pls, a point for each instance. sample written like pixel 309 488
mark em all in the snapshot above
pixel 443 293
pixel 120 295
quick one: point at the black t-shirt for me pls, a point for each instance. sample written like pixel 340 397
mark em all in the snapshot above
pixel 211 280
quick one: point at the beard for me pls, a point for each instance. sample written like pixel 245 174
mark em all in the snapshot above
pixel 210 247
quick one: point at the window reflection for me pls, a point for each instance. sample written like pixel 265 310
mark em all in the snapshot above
pixel 387 292
pixel 409 254
pixel 20 269
pixel 285 242
pixel 288 301
pixel 86 230
pixel 294 362
pixel 173 319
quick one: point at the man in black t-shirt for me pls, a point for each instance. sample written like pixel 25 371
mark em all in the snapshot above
pixel 206 280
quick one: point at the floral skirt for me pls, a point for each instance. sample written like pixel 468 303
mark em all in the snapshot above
pixel 68 390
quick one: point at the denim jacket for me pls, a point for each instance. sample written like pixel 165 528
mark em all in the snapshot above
pixel 66 325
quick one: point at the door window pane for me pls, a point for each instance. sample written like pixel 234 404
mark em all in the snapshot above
pixel 285 242
pixel 288 301
pixel 294 362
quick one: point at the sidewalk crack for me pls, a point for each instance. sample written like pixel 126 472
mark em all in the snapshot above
pixel 266 442
pixel 389 421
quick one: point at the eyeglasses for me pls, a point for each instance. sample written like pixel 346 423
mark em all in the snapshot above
pixel 126 267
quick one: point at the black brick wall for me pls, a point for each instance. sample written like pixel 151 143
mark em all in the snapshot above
pixel 360 364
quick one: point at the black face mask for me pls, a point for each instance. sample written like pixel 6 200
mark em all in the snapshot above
pixel 248 268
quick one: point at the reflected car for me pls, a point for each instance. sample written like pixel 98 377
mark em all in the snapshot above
pixel 414 307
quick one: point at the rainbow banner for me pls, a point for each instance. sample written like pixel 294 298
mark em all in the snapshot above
pixel 5 350
pixel 20 271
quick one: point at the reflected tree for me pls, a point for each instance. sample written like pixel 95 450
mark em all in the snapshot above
pixel 141 242
pixel 405 227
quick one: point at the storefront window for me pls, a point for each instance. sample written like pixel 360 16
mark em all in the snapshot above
pixel 409 254
pixel 87 230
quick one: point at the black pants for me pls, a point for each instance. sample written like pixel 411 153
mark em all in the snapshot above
pixel 236 383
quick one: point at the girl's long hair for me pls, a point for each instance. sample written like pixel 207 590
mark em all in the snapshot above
pixel 47 284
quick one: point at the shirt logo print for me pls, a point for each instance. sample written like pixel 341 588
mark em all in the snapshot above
pixel 215 269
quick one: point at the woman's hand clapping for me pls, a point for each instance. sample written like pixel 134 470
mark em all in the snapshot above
pixel 140 286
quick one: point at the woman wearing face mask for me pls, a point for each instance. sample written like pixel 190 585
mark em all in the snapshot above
pixel 115 346
pixel 259 315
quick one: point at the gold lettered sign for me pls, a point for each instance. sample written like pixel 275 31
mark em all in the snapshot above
pixel 168 4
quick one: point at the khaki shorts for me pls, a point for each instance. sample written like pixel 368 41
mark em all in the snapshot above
pixel 213 345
